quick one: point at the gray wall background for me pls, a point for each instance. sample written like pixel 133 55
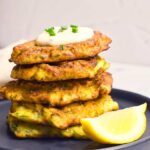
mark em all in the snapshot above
pixel 127 22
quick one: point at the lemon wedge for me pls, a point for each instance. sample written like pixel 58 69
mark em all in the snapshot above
pixel 117 127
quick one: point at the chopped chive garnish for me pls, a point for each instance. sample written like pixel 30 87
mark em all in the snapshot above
pixel 61 47
pixel 74 28
pixel 50 31
pixel 63 28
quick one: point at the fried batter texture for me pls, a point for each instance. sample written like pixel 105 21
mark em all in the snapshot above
pixel 63 117
pixel 58 93
pixel 30 53
pixel 30 130
pixel 76 69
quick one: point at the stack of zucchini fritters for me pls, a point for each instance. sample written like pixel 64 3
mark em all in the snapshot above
pixel 57 86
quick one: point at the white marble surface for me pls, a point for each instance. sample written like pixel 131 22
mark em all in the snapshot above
pixel 129 77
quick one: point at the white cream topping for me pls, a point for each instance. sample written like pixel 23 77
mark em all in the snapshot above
pixel 65 37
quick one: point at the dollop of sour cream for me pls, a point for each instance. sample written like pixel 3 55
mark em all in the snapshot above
pixel 65 37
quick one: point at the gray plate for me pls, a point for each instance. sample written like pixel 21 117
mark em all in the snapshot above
pixel 124 98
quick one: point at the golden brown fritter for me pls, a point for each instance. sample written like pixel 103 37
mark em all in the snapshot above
pixel 30 130
pixel 30 53
pixel 63 117
pixel 58 93
pixel 76 69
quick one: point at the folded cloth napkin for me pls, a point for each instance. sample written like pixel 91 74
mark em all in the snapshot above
pixel 5 65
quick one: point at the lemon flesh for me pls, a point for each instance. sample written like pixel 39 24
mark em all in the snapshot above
pixel 117 127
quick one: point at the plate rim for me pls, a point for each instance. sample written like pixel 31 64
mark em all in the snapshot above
pixel 116 147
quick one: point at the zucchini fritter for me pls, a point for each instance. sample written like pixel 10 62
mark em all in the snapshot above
pixel 63 117
pixel 30 53
pixel 57 93
pixel 61 71
pixel 30 130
